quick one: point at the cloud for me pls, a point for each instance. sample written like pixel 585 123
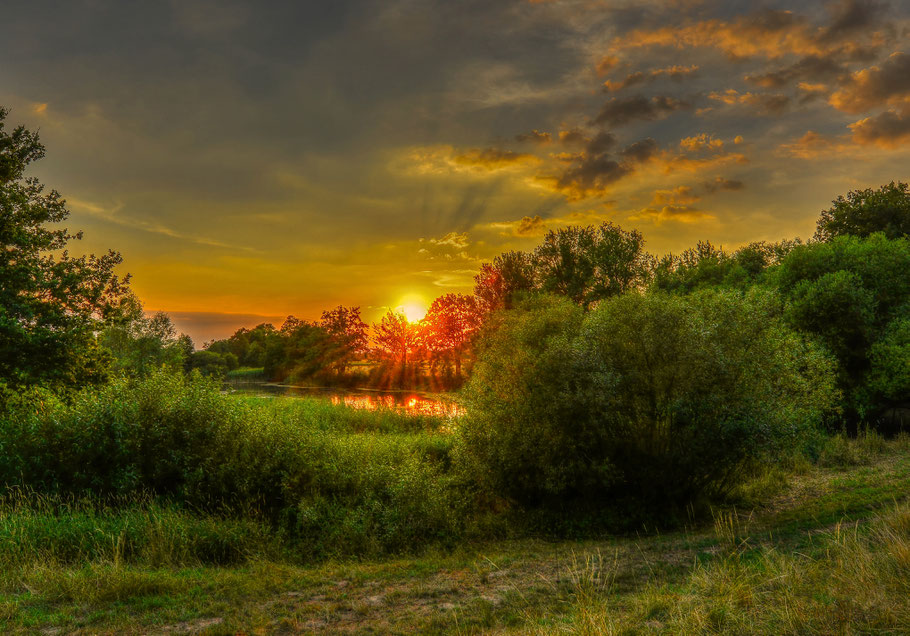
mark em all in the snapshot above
pixel 573 137
pixel 444 159
pixel 720 183
pixel 677 73
pixel 890 129
pixel 766 104
pixel 449 247
pixel 526 226
pixel 769 33
pixel 535 136
pixel 587 176
pixel 813 145
pixel 620 111
pixel 875 86
pixel 680 195
pixel 640 151
pixel 490 159
pixel 606 64
pixel 602 142
pixel 671 213
pixel 810 68
pixel 592 171
pixel 701 142
pixel 114 216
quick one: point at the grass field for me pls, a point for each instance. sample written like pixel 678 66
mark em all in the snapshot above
pixel 816 548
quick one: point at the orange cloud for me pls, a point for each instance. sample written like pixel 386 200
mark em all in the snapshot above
pixel 813 145
pixel 678 196
pixel 770 34
pixel 490 159
pixel 767 103
pixel 875 86
pixel 704 141
pixel 672 213
pixel 673 72
pixel 889 130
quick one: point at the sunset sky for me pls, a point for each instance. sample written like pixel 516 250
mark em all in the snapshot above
pixel 252 160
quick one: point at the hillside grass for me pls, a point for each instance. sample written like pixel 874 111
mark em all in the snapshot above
pixel 809 548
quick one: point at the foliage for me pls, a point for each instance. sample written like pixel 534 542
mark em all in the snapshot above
pixel 449 328
pixel 329 482
pixel 648 397
pixel 707 266
pixel 522 439
pixel 497 284
pixel 864 212
pixel 588 264
pixel 585 264
pixel 847 292
pixel 348 335
pixel 51 303
pixel 396 338
pixel 140 344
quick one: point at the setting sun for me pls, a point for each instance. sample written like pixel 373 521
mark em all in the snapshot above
pixel 413 306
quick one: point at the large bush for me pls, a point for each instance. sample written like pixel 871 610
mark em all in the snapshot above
pixel 649 398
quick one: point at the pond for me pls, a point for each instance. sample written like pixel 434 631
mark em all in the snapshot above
pixel 413 402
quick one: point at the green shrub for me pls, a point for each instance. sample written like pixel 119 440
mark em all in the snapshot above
pixel 649 399
pixel 319 472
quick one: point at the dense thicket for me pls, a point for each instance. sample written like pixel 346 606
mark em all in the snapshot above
pixel 649 398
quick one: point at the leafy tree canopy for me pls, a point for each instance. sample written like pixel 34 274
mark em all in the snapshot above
pixel 51 303
pixel 864 212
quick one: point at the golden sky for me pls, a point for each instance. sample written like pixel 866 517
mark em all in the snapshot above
pixel 254 160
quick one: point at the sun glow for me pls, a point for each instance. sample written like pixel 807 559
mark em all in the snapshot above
pixel 413 306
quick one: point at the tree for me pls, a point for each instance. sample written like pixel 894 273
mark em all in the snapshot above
pixel 498 282
pixel 864 212
pixel 847 293
pixel 348 333
pixel 450 324
pixel 140 344
pixel 395 337
pixel 588 264
pixel 51 303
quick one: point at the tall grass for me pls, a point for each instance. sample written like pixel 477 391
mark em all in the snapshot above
pixel 851 580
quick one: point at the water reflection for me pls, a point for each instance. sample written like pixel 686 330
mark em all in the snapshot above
pixel 411 402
